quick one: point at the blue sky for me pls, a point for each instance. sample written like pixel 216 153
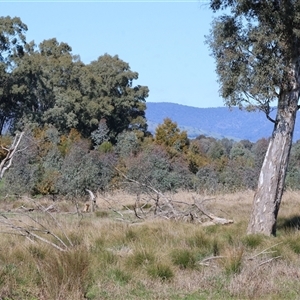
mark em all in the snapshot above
pixel 161 40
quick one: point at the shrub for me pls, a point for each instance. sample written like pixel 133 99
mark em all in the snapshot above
pixel 153 166
pixel 82 169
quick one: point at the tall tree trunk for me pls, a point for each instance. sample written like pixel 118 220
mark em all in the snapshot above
pixel 272 175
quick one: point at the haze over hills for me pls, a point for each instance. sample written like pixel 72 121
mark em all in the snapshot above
pixel 217 122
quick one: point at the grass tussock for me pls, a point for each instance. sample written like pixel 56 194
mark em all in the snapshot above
pixel 183 258
pixel 232 260
pixel 156 259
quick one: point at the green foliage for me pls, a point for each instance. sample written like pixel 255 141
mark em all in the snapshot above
pixel 169 135
pixel 12 47
pixel 24 173
pixel 293 174
pixel 196 158
pixel 12 39
pixel 52 86
pixel 259 150
pixel 154 167
pixel 216 150
pixel 45 80
pixel 82 169
pixel 127 144
pixel 100 135
pixel 66 165
pixel 239 150
pixel 253 50
pixel 112 96
pixel 53 164
pixel 208 179
pixel 105 147
pixel 120 276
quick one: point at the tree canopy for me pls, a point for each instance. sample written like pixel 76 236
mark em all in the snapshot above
pixel 12 43
pixel 46 84
pixel 254 44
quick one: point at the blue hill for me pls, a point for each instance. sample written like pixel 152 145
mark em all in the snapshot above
pixel 216 122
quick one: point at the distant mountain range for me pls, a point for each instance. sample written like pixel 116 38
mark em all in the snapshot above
pixel 217 122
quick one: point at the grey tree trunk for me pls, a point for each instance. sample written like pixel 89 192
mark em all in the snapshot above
pixel 270 187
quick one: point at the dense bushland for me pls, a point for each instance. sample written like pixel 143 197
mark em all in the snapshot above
pixel 51 163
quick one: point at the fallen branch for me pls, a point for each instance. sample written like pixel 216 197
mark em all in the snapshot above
pixel 43 209
pixel 150 187
pixel 34 228
pixel 264 251
pixel 7 160
pixel 269 260
pixel 204 261
pixel 29 233
pixel 213 218
pixel 167 208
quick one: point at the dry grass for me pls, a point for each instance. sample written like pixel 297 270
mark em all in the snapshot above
pixel 155 259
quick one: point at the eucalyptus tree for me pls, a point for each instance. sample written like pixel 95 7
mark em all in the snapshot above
pixel 110 94
pixel 12 43
pixel 46 89
pixel 56 88
pixel 256 45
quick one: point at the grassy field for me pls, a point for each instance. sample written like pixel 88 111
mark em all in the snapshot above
pixel 105 257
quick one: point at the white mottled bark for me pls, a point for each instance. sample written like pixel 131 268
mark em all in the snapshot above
pixel 270 187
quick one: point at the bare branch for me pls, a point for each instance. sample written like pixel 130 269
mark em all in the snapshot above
pixel 150 187
pixel 7 161
pixel 269 260
pixel 215 219
pixel 264 251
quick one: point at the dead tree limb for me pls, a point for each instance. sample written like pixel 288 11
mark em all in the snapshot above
pixel 269 260
pixel 166 207
pixel 31 232
pixel 7 161
pixel 213 218
pixel 265 251
pixel 151 188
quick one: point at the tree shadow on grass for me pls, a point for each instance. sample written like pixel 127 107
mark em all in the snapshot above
pixel 292 223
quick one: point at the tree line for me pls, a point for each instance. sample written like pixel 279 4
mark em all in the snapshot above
pixel 65 165
pixel 85 120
